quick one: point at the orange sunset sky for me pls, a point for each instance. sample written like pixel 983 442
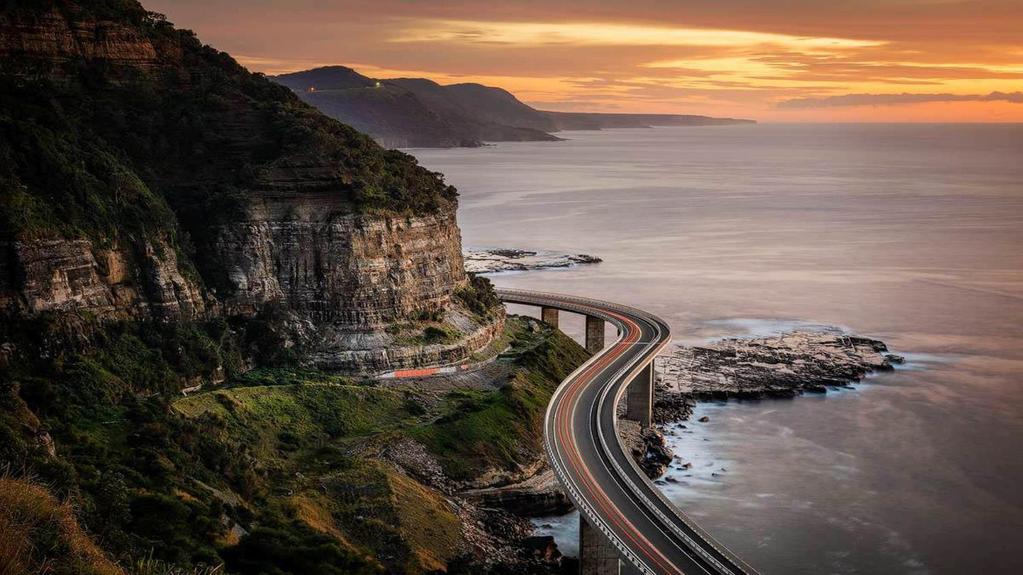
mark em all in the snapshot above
pixel 771 60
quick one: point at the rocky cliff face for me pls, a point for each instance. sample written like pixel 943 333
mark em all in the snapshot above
pixel 146 176
pixel 348 278
pixel 63 32
pixel 350 270
pixel 69 275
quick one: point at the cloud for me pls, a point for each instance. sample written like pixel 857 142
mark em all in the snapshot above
pixel 896 99
pixel 717 57
pixel 609 34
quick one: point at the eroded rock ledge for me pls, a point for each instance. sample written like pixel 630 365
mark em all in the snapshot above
pixel 488 261
pixel 780 366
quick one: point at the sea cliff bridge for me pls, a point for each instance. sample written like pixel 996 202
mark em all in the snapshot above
pixel 626 524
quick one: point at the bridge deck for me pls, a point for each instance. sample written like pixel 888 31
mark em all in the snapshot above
pixel 591 463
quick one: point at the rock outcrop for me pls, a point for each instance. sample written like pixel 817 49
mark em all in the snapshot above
pixel 781 366
pixel 647 447
pixel 350 270
pixel 146 176
pixel 537 496
pixel 59 274
pixel 484 261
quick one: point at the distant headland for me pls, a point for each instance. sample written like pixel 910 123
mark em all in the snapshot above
pixel 420 113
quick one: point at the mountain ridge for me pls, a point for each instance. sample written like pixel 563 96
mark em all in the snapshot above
pixel 419 112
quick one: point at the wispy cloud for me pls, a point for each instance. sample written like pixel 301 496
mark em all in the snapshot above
pixel 716 57
pixel 896 99
pixel 605 34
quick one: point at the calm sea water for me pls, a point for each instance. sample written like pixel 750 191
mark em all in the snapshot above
pixel 909 233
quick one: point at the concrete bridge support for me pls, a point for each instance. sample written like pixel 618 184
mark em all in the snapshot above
pixel 594 334
pixel 639 398
pixel 596 554
pixel 549 315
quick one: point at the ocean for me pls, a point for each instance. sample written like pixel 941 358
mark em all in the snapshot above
pixel 912 234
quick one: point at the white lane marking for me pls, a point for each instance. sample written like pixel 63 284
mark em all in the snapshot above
pixel 586 307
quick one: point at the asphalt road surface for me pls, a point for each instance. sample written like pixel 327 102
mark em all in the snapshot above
pixel 601 478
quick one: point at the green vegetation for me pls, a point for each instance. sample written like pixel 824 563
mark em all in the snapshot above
pixel 163 154
pixel 295 549
pixel 423 333
pixel 479 296
pixel 291 456
pixel 39 534
pixel 502 428
pixel 278 469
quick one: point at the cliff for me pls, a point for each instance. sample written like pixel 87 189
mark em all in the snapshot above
pixel 417 112
pixel 147 176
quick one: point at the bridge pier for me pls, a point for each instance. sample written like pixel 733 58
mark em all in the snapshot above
pixel 594 334
pixel 639 398
pixel 597 556
pixel 549 315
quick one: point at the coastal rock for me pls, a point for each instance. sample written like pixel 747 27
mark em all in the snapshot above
pixel 542 547
pixel 671 406
pixel 484 261
pixel 537 496
pixel 780 366
pixel 647 446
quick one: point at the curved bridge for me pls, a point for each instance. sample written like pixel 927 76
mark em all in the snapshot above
pixel 627 525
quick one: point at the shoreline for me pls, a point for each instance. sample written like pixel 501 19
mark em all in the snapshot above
pixel 841 360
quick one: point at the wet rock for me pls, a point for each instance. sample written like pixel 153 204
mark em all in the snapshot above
pixel 647 446
pixel 704 419
pixel 537 496
pixel 541 547
pixel 503 260
pixel 780 366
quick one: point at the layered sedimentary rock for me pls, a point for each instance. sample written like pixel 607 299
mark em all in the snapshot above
pixel 146 176
pixel 332 266
pixel 782 366
pixel 484 261
pixel 62 37
pixel 58 274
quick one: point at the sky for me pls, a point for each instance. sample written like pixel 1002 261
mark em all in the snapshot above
pixel 770 60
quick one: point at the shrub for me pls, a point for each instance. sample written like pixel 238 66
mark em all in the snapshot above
pixel 293 549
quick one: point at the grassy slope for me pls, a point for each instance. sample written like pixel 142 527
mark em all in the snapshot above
pixel 287 454
pixel 39 534
pixel 327 432
pixel 503 428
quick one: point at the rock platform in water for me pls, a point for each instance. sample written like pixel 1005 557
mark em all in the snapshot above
pixel 779 366
pixel 488 261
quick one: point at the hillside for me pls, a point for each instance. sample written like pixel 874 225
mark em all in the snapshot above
pixel 200 277
pixel 147 176
pixel 417 112
pixel 410 113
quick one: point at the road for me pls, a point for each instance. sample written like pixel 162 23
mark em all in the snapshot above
pixel 601 478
